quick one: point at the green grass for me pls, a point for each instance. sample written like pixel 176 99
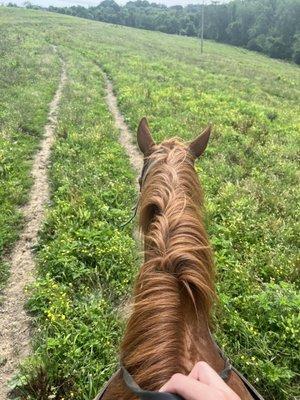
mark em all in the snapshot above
pixel 28 78
pixel 87 262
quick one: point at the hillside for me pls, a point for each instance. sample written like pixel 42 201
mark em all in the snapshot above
pixel 86 260
pixel 267 26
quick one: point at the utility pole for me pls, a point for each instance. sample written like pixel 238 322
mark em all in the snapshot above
pixel 202 26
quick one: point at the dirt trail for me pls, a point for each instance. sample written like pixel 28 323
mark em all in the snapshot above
pixel 135 156
pixel 14 321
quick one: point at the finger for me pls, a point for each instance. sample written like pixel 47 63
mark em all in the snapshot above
pixel 191 389
pixel 207 375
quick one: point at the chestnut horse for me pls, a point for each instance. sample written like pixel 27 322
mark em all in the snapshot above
pixel 168 330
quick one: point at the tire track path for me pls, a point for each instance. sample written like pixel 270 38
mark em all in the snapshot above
pixel 14 321
pixel 125 138
pixel 135 157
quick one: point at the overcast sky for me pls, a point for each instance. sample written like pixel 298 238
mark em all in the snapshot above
pixel 64 3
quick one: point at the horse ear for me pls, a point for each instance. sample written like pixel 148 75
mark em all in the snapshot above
pixel 144 137
pixel 198 146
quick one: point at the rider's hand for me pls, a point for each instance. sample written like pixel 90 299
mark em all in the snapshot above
pixel 203 383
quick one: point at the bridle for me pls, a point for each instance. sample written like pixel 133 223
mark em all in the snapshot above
pixel 143 172
pixel 140 182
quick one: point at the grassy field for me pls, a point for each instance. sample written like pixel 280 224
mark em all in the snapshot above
pixel 86 262
pixel 249 173
pixel 28 79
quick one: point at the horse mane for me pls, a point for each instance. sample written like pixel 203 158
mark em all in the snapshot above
pixel 175 285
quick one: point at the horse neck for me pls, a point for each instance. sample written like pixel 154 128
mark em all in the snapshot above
pixel 174 289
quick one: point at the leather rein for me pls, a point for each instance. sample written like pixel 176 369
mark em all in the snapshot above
pixel 152 395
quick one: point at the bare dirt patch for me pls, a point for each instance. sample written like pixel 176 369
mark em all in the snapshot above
pixel 14 321
pixel 134 155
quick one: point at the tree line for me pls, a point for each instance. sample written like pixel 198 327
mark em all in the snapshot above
pixel 268 26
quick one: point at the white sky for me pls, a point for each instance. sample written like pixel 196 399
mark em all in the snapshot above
pixel 67 3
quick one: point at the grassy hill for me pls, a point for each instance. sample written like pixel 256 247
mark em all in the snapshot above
pixel 86 261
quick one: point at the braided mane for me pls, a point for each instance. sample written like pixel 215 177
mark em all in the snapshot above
pixel 174 290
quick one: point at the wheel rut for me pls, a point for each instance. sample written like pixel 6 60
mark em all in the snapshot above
pixel 15 323
pixel 136 159
pixel 125 138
